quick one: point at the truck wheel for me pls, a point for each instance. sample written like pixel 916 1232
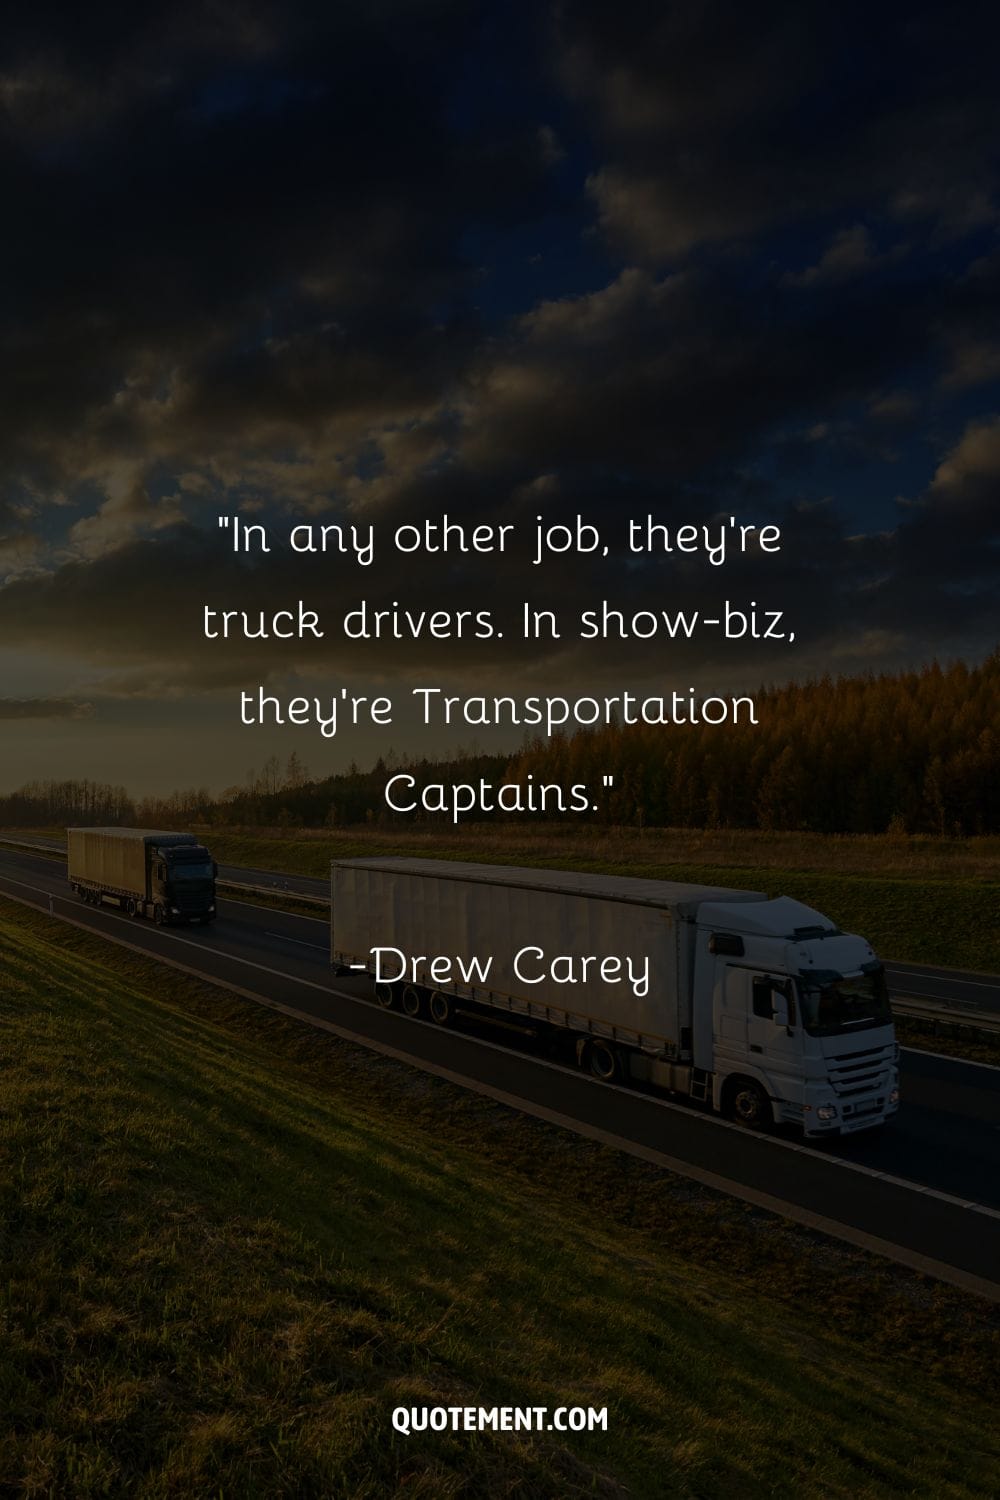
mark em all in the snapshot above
pixel 441 1008
pixel 746 1102
pixel 604 1062
pixel 385 994
pixel 130 906
pixel 411 1001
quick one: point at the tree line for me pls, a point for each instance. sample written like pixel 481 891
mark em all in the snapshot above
pixel 914 752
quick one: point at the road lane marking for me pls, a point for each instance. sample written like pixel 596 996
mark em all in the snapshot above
pixel 927 974
pixel 40 889
pixel 275 911
pixel 967 1062
pixel 321 947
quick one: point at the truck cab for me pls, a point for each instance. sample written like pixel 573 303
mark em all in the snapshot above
pixel 182 882
pixel 792 1019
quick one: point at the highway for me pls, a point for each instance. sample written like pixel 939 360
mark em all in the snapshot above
pixel 947 990
pixel 925 1191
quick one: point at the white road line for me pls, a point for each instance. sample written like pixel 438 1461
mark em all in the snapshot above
pixel 41 892
pixel 944 978
pixel 967 1062
pixel 275 911
pixel 320 947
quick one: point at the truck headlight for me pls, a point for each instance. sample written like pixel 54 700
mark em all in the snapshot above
pixel 175 911
pixel 894 1096
pixel 826 1112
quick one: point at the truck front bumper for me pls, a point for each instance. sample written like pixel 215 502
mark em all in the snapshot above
pixel 858 1114
pixel 823 1113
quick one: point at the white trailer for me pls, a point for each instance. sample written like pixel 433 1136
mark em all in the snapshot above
pixel 761 1007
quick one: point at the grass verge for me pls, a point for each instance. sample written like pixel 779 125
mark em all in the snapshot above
pixel 232 1245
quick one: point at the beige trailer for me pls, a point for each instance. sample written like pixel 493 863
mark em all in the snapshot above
pixel 147 872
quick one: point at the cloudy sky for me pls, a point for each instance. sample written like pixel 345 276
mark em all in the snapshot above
pixel 378 263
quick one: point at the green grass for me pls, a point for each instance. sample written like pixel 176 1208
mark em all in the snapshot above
pixel 231 1245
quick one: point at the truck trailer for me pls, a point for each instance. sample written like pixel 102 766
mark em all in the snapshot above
pixel 169 877
pixel 760 1008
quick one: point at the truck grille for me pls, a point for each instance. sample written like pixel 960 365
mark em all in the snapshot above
pixel 861 1072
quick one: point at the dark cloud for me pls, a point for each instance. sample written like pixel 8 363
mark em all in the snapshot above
pixel 44 708
pixel 720 122
pixel 388 262
pixel 246 190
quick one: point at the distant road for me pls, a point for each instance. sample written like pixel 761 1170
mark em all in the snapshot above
pixel 972 994
pixel 294 885
pixel 288 885
pixel 926 1191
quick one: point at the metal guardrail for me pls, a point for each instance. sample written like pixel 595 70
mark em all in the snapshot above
pixel 274 890
pixel 939 1012
pixel 33 845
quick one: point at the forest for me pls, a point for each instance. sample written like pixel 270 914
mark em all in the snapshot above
pixel 907 752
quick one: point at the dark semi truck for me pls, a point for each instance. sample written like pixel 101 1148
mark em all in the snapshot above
pixel 169 877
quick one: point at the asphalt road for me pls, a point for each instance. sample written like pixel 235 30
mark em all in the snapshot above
pixel 928 1185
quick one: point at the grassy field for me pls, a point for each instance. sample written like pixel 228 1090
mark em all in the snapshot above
pixel 916 900
pixel 900 856
pixel 231 1245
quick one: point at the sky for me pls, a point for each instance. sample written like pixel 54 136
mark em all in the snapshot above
pixel 377 264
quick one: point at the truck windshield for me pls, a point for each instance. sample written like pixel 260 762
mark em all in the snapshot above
pixel 845 1004
pixel 190 870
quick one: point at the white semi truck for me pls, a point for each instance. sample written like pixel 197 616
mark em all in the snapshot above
pixel 167 876
pixel 761 1008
